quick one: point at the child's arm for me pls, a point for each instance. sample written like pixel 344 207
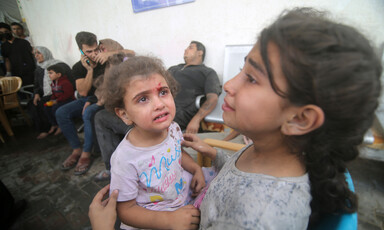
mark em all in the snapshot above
pixel 193 141
pixel 198 181
pixel 218 157
pixel 102 57
pixel 187 217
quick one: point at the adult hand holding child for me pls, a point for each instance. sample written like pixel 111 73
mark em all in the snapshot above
pixel 103 213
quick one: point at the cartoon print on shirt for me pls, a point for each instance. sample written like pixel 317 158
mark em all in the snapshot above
pixel 152 161
pixel 179 186
pixel 155 199
pixel 164 163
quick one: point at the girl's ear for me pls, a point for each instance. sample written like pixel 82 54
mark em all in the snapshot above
pixel 123 116
pixel 306 119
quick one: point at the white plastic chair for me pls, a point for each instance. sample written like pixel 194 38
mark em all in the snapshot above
pixel 233 62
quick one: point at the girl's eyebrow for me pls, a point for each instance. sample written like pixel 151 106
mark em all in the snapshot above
pixel 256 65
pixel 146 92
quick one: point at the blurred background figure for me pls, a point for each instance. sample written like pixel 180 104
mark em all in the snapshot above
pixel 19 32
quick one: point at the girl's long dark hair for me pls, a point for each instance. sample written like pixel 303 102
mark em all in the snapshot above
pixel 333 66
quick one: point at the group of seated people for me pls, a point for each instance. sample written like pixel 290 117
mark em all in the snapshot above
pixel 194 79
pixel 62 94
pixel 305 98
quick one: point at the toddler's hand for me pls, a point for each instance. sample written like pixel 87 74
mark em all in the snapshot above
pixel 198 182
pixel 187 217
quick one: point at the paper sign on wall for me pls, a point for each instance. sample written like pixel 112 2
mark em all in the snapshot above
pixel 143 5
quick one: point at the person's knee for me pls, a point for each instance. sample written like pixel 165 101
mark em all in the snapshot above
pixel 61 113
pixel 88 114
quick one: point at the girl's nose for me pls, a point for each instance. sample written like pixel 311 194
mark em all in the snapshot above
pixel 226 87
pixel 159 104
pixel 229 86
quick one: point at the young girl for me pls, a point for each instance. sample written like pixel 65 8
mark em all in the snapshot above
pixel 148 165
pixel 305 97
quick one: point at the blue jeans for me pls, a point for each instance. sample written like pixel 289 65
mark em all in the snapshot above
pixel 64 117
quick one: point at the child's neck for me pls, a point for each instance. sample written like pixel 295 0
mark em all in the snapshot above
pixel 277 161
pixel 143 138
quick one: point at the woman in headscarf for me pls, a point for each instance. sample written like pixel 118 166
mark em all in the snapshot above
pixel 42 90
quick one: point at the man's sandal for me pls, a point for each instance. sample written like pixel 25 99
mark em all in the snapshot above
pixel 70 162
pixel 83 166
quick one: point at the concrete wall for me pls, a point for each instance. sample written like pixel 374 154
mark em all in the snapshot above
pixel 166 32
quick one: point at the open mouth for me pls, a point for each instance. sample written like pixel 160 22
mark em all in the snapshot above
pixel 161 116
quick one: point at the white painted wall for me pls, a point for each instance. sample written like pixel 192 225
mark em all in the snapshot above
pixel 166 32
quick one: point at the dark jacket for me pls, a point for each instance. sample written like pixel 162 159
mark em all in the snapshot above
pixel 62 90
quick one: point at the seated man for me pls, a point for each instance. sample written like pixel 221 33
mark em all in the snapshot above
pixel 194 78
pixel 84 72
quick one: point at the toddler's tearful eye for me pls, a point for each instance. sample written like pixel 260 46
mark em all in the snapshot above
pixel 163 92
pixel 142 99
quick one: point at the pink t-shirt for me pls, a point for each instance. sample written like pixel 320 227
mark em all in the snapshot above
pixel 151 175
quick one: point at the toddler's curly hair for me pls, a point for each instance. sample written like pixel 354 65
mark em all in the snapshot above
pixel 121 72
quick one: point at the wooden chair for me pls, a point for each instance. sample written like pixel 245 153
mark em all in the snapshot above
pixel 4 121
pixel 9 87
pixel 1 138
pixel 338 222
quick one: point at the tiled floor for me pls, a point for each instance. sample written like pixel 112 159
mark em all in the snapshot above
pixel 57 200
pixel 30 168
